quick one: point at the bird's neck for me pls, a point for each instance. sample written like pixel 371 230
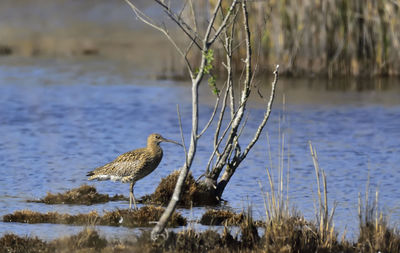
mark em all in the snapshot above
pixel 154 147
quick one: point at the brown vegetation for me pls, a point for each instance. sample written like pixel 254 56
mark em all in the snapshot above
pixel 83 195
pixel 221 217
pixel 89 241
pixel 193 193
pixel 331 38
pixel 142 217
pixel 13 243
pixel 284 234
pixel 375 234
pixel 213 217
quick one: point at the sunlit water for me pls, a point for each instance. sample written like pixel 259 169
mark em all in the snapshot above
pixel 59 120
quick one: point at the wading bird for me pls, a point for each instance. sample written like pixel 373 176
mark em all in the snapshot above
pixel 133 165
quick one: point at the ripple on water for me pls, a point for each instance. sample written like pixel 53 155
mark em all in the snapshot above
pixel 53 134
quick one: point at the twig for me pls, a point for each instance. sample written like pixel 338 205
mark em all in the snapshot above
pixel 212 116
pixel 180 22
pixel 224 22
pixel 266 115
pixel 147 20
pixel 181 130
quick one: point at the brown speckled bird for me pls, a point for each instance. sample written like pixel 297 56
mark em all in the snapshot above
pixel 133 165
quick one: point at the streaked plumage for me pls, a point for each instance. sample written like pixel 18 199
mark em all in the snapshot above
pixel 133 165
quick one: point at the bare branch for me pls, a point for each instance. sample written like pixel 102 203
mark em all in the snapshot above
pixel 211 118
pixel 224 22
pixel 181 130
pixel 246 88
pixel 147 20
pixel 193 15
pixel 180 22
pixel 211 23
pixel 183 8
pixel 266 115
pixel 221 116
pixel 221 138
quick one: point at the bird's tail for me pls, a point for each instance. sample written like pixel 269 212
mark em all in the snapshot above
pixel 90 174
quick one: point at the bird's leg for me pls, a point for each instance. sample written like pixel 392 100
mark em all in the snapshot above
pixel 134 201
pixel 131 196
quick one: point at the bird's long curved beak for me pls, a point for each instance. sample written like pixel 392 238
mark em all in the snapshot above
pixel 167 140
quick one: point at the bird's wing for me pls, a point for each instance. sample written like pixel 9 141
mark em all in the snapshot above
pixel 123 166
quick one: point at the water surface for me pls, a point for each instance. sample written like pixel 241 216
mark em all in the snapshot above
pixel 60 119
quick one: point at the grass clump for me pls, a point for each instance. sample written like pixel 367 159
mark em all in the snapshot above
pixel 31 217
pixel 83 195
pixel 143 217
pixel 193 194
pixel 375 234
pixel 88 240
pixel 221 217
pixel 13 243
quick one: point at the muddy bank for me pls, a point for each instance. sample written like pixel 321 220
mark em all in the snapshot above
pixel 83 195
pixel 143 217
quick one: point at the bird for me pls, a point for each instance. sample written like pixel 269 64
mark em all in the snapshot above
pixel 134 165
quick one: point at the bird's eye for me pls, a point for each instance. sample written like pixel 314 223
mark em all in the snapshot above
pixel 157 136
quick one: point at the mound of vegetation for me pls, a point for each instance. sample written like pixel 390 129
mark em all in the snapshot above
pixel 221 217
pixel 193 193
pixel 143 217
pixel 282 234
pixel 14 243
pixel 89 241
pixel 83 195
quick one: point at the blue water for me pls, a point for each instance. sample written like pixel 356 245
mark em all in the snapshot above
pixel 60 119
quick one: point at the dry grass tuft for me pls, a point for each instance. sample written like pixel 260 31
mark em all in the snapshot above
pixel 375 233
pixel 88 239
pixel 83 195
pixel 13 243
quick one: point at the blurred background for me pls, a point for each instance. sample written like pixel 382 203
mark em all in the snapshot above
pixel 330 38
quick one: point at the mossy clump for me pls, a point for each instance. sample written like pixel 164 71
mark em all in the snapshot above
pixel 83 195
pixel 193 193
pixel 28 216
pixel 213 217
pixel 144 217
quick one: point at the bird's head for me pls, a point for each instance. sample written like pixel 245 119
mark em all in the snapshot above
pixel 157 139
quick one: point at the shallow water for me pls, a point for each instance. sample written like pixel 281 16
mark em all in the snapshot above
pixel 60 119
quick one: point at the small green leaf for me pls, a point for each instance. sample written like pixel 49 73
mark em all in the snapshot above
pixel 212 83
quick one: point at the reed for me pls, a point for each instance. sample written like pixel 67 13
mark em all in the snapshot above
pixel 332 37
pixel 326 228
pixel 286 230
pixel 375 234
